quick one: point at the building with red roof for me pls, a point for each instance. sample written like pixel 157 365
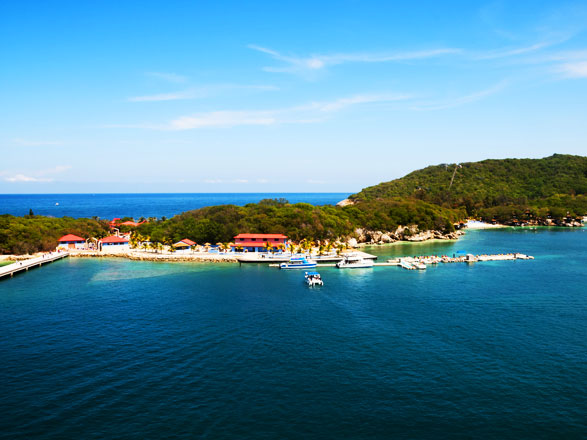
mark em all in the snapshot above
pixel 71 241
pixel 258 242
pixel 184 245
pixel 113 243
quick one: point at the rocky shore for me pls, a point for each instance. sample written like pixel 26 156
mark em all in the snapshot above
pixel 402 233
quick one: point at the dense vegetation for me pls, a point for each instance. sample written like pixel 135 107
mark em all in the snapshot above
pixel 555 184
pixel 298 221
pixel 29 234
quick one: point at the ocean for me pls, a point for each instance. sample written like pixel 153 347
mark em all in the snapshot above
pixel 109 206
pixel 110 348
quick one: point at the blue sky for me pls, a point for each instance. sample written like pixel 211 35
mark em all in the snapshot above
pixel 144 96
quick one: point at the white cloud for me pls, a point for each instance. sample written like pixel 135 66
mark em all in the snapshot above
pixel 30 143
pixel 309 113
pixel 574 70
pixel 462 100
pixel 169 77
pixel 241 181
pixel 19 178
pixel 342 103
pixel 504 53
pixel 213 181
pixel 173 96
pixel 262 181
pixel 38 176
pixel 200 92
pixel 222 119
pixel 296 64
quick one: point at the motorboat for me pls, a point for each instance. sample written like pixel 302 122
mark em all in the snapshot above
pixel 298 263
pixel 313 279
pixel 419 265
pixel 354 262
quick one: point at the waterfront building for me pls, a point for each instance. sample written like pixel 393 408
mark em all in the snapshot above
pixel 257 242
pixel 71 241
pixel 184 245
pixel 114 243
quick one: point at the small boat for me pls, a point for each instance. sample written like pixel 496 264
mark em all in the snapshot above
pixel 406 264
pixel 354 262
pixel 313 279
pixel 298 263
pixel 419 265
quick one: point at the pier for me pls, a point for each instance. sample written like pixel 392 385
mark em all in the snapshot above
pixel 18 266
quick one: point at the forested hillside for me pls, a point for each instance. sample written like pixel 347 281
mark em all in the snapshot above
pixel 558 182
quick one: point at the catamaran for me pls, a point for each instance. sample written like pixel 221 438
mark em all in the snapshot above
pixel 298 263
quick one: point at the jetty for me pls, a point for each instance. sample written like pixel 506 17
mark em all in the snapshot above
pixel 18 266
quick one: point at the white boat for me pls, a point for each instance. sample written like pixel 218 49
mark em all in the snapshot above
pixel 406 264
pixel 298 263
pixel 354 262
pixel 419 265
pixel 313 279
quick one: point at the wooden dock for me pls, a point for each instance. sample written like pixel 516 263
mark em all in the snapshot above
pixel 18 266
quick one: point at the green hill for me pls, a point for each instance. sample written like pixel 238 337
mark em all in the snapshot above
pixel 558 182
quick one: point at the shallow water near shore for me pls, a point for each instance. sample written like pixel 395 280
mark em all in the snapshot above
pixel 110 348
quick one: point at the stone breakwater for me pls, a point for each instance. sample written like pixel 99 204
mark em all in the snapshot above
pixel 402 233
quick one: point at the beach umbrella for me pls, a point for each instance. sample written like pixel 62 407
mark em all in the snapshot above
pixel 206 244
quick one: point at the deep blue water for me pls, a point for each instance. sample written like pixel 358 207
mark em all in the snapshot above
pixel 146 205
pixel 108 348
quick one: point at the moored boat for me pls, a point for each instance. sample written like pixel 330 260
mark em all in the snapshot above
pixel 298 263
pixel 354 262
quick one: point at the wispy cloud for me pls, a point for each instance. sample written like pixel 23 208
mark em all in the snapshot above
pixel 172 96
pixel 19 178
pixel 222 119
pixel 462 100
pixel 574 70
pixel 301 65
pixel 32 143
pixel 511 52
pixel 169 77
pixel 312 112
pixel 200 92
pixel 39 176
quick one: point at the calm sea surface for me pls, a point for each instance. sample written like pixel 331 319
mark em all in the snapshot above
pixel 146 205
pixel 109 348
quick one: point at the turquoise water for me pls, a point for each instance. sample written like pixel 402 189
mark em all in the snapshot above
pixel 108 348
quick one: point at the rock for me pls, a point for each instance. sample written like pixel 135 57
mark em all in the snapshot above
pixel 361 235
pixel 386 238
pixel 352 242
pixel 345 202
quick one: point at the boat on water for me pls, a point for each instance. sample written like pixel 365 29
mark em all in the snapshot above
pixel 419 265
pixel 313 279
pixel 298 263
pixel 354 262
